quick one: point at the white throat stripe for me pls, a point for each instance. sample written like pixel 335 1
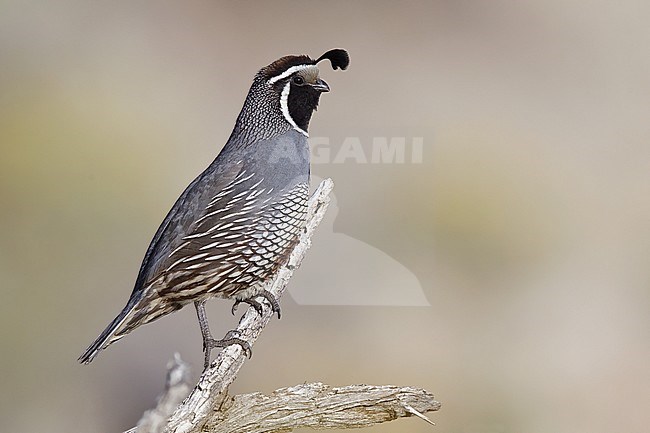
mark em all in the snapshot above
pixel 284 105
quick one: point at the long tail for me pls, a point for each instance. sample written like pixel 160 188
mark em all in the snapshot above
pixel 117 329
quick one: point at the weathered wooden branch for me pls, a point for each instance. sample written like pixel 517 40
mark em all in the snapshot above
pixel 209 408
pixel 319 406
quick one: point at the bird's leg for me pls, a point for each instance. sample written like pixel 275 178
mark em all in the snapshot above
pixel 210 343
pixel 203 323
pixel 275 305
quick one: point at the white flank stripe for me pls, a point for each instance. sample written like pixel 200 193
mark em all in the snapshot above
pixel 183 245
pixel 231 215
pixel 254 194
pixel 217 257
pixel 240 194
pixel 257 184
pixel 241 220
pixel 174 264
pixel 197 235
pixel 212 245
pixel 196 257
pixel 248 207
pixel 223 209
pixel 224 226
pixel 243 179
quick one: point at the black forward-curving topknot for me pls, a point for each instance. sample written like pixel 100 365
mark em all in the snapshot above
pixel 338 57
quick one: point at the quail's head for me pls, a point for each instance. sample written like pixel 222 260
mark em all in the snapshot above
pixel 297 85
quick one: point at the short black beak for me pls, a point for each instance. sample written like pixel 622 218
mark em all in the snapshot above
pixel 321 86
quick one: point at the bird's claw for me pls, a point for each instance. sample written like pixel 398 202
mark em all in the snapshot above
pixel 275 305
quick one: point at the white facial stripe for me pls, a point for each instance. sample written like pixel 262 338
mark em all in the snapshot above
pixel 289 71
pixel 284 105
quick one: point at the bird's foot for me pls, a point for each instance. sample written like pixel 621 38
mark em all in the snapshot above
pixel 275 305
pixel 250 301
pixel 230 339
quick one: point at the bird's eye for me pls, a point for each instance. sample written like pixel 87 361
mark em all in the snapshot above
pixel 299 80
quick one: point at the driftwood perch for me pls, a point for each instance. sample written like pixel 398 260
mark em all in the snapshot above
pixel 209 408
pixel 318 406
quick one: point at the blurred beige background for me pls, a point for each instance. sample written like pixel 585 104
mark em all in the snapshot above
pixel 526 225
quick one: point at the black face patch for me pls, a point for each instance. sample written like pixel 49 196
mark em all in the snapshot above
pixel 302 101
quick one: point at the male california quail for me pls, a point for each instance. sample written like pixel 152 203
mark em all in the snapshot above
pixel 237 222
